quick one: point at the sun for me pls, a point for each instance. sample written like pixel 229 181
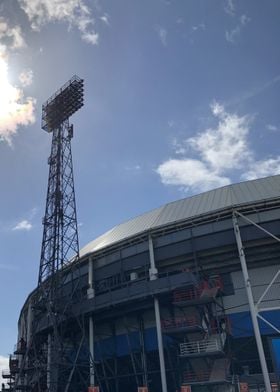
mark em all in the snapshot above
pixel 15 109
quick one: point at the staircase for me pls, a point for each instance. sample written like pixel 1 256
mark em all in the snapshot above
pixel 219 370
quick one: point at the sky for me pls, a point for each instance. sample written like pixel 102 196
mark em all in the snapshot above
pixel 181 96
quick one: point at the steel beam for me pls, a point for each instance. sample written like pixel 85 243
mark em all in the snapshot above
pixel 253 310
pixel 153 275
pixel 90 294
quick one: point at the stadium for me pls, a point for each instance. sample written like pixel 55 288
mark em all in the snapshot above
pixel 161 302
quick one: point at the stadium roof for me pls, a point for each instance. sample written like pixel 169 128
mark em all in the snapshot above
pixel 206 203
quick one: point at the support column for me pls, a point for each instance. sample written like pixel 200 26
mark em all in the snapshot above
pixel 49 358
pixel 91 294
pixel 143 348
pixel 153 275
pixel 29 324
pixel 90 291
pixel 252 307
pixel 91 350
pixel 28 336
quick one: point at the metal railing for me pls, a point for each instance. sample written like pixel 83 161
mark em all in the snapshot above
pixel 20 347
pixel 13 363
pixel 6 387
pixel 192 377
pixel 187 294
pixel 6 373
pixel 194 292
pixel 179 322
pixel 200 347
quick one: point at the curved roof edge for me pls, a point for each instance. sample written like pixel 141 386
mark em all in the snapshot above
pixel 188 208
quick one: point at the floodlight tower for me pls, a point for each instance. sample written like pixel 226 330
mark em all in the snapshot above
pixel 60 236
pixel 48 365
pixel 60 243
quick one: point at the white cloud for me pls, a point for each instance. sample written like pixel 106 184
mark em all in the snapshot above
pixel 232 35
pixel 255 91
pixel 23 225
pixel 26 77
pixel 162 34
pixel 229 7
pixel 224 146
pixel 105 19
pixel 15 109
pixel 220 151
pixel 74 12
pixel 134 168
pixel 180 148
pixel 271 127
pixel 91 38
pixel 244 19
pixel 4 365
pixel 171 123
pixel 12 36
pixel 264 168
pixel 200 26
pixel 191 174
pixel 33 212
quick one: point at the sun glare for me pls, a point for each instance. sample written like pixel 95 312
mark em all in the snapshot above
pixel 9 95
pixel 15 109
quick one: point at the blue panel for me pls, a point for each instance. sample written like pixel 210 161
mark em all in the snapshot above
pixel 107 348
pixel 104 349
pixel 122 345
pixel 275 348
pixel 241 324
pixel 151 339
pixel 125 344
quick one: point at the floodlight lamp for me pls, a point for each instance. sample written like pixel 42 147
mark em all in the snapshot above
pixel 63 104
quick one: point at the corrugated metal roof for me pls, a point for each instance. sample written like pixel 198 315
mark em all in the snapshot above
pixel 130 228
pixel 189 208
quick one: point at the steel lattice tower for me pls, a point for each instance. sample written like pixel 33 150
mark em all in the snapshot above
pixel 48 364
pixel 60 237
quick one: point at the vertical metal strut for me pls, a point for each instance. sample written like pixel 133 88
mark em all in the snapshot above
pixel 251 303
pixel 153 276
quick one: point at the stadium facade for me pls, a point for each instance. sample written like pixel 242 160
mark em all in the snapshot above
pixel 163 300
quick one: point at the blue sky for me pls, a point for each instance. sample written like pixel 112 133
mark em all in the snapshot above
pixel 181 96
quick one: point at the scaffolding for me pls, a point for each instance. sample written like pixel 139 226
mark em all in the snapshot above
pixel 198 330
